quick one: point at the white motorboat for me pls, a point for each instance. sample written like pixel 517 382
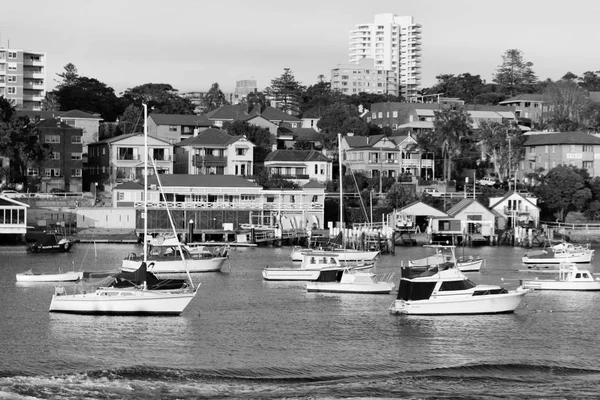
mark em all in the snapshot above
pixel 309 270
pixel 167 259
pixel 346 256
pixel 138 293
pixel 564 252
pixel 570 277
pixel 350 280
pixel 33 276
pixel 445 290
pixel 444 254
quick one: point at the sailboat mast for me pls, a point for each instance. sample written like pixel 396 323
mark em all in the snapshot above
pixel 145 182
pixel 341 195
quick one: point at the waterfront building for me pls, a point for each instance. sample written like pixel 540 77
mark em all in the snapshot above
pixel 121 159
pixel 211 201
pixel 379 155
pixel 64 169
pixel 515 209
pixel 214 152
pixel 394 43
pixel 23 77
pixel 174 128
pixel 362 76
pixel 548 150
pixel 13 217
pixel 299 166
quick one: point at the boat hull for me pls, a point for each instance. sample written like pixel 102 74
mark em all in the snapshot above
pixel 289 274
pixel 349 256
pixel 65 277
pixel 585 257
pixel 470 265
pixel 542 284
pixel 487 304
pixel 110 301
pixel 159 267
pixel 336 287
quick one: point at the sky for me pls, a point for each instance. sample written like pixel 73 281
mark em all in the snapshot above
pixel 192 44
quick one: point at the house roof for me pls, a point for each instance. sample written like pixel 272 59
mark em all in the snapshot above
pixel 508 195
pixel 180 119
pixel 129 186
pixel 210 136
pixel 356 142
pixel 312 184
pixel 417 124
pixel 431 211
pixel 240 112
pixel 7 201
pixel 127 136
pixel 561 138
pixel 80 114
pixel 180 180
pixel 523 97
pixel 295 156
pixel 461 205
pixel 54 123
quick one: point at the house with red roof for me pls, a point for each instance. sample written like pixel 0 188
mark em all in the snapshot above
pixel 548 150
pixel 300 166
pixel 174 128
pixel 214 152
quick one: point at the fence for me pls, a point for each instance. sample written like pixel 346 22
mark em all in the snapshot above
pixel 572 227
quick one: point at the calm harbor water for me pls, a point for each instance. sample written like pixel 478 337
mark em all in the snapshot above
pixel 243 337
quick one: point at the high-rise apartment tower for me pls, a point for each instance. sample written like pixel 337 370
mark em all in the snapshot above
pixel 394 43
pixel 23 78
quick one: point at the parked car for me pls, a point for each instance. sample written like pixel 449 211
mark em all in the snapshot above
pixel 10 193
pixel 432 192
pixel 488 181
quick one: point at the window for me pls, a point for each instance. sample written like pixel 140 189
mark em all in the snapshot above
pixel 32 172
pixel 76 156
pixel 52 172
pixel 52 139
pixel 120 196
pixel 588 149
pixel 75 139
pixel 589 165
pixel 12 54
pixel 11 78
pixel 55 155
pixel 218 123
pixel 12 66
pixel 395 114
pixel 241 151
pixel 11 90
pixel 380 114
pixel 76 172
pixel 172 128
pixel 70 122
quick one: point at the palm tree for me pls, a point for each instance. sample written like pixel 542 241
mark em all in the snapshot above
pixel 450 126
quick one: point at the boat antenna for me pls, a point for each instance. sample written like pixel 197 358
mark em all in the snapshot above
pixel 172 223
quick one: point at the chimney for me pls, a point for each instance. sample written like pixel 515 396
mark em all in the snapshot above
pixel 196 131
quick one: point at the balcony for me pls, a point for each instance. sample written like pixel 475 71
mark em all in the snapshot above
pixel 209 161
pixel 530 156
pixel 520 211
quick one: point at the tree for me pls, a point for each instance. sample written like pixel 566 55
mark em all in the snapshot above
pixel 399 195
pixel 214 98
pixel 340 118
pixel 256 100
pixel 465 86
pixel 132 119
pixel 19 143
pixel 567 102
pixel 316 98
pixel 161 98
pixel 515 75
pixel 69 77
pixel 502 144
pixel 590 81
pixel 590 117
pixel 287 92
pixel 563 190
pixel 450 128
pixel 90 95
pixel 260 136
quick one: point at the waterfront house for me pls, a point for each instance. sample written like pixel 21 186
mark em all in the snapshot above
pixel 213 151
pixel 64 169
pixel 299 166
pixel 120 159
pixel 174 128
pixel 477 221
pixel 379 155
pixel 515 209
pixel 548 150
pixel 13 217
pixel 411 216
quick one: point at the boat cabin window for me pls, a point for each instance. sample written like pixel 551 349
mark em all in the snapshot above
pixel 585 275
pixel 578 275
pixel 456 285
pixel 415 290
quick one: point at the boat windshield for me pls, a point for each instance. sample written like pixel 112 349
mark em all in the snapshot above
pixel 410 290
pixel 463 284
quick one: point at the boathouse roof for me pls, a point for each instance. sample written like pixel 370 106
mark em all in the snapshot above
pixel 181 180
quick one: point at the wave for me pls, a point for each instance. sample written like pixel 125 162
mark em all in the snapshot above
pixel 474 380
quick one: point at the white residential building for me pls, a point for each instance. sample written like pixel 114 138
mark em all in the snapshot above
pixel 394 43
pixel 23 78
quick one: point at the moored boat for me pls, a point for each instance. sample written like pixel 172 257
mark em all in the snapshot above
pixel 346 256
pixel 50 243
pixel 446 253
pixel 564 252
pixel 570 277
pixel 445 290
pixel 309 270
pixel 349 280
pixel 33 276
pixel 167 259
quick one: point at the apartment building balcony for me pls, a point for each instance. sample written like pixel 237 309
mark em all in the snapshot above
pixel 209 161
pixel 33 85
pixel 35 74
pixel 32 97
pixel 33 63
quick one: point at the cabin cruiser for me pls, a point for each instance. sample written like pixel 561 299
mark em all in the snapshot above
pixel 445 290
pixel 570 277
pixel 309 270
pixel 350 280
pixel 560 253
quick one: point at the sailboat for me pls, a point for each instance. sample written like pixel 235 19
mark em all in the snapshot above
pixel 137 293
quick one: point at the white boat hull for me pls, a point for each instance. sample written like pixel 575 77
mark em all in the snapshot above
pixel 289 274
pixel 579 257
pixel 114 301
pixel 470 265
pixel 160 267
pixel 348 256
pixel 488 304
pixel 543 284
pixel 64 277
pixel 338 287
